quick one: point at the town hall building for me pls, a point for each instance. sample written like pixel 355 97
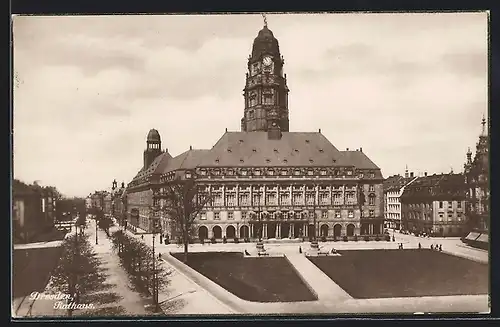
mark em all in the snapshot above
pixel 265 181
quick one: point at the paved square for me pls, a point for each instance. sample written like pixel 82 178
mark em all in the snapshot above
pixel 265 279
pixel 404 273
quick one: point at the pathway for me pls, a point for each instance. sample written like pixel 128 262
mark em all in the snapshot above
pixel 131 301
pixel 323 286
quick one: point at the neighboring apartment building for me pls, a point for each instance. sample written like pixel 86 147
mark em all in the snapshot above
pixel 33 210
pixel 435 205
pixel 477 174
pixel 394 187
pixel 266 179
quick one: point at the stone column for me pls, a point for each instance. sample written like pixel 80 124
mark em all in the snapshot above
pixel 264 230
pixel 252 230
pixel 292 228
pixel 306 230
pixel 278 230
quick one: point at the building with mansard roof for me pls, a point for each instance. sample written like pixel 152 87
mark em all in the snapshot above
pixel 265 180
pixel 477 173
pixel 434 205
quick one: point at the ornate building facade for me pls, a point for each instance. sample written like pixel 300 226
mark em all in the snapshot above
pixel 265 180
pixel 478 189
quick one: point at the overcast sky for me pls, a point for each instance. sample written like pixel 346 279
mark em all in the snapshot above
pixel 407 88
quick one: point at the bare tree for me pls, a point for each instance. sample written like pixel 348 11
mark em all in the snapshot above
pixel 185 200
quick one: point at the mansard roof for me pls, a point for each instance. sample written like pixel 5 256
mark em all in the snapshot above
pixel 437 186
pixel 255 149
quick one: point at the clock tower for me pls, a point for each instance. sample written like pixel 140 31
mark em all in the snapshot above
pixel 266 91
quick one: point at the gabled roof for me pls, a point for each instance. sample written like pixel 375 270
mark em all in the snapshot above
pixel 21 189
pixel 247 149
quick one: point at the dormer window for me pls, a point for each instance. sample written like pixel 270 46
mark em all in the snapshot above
pixel 349 173
pixel 296 150
pixel 310 172
pixel 242 161
pixel 296 172
pixel 311 161
pixel 216 160
pixel 254 150
pixel 268 160
pixel 270 172
pixel 285 161
pixel 243 172
pixel 283 172
pixel 323 172
pixel 321 150
pixel 275 150
pixel 203 173
pixel 241 141
pixel 229 150
pixel 307 141
pixel 257 173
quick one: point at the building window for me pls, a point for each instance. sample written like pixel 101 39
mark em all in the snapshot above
pixel 216 215
pixel 371 200
pixel 350 214
pixel 285 199
pixel 256 173
pixel 283 172
pixel 296 172
pixel 203 216
pixel 297 199
pixel 459 216
pixel 270 172
pixel 324 214
pixel 310 172
pixel 324 198
pixel 268 98
pixel 372 213
pixel 337 213
pixel 230 199
pixel 271 198
pixel 459 204
pixel 323 172
pixel 372 188
pixel 441 217
pixel 310 198
pixel 440 204
pixel 372 175
pixel 230 216
pixel 244 199
pixel 217 199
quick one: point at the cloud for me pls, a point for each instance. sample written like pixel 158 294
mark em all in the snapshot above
pixel 409 89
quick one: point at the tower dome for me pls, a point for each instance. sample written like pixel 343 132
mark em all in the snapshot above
pixel 153 136
pixel 265 42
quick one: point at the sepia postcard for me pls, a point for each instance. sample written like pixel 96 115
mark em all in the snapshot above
pixel 250 164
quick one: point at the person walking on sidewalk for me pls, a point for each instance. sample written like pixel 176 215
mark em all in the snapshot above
pixel 419 245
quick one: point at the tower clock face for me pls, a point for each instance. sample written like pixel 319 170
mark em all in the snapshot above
pixel 267 61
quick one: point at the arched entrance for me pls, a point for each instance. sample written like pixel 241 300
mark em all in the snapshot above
pixel 285 230
pixel 324 230
pixel 217 232
pixel 230 231
pixel 311 230
pixel 271 230
pixel 203 233
pixel 337 230
pixel 244 232
pixel 350 230
pixel 297 230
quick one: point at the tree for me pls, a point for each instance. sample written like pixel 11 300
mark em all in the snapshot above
pixel 185 200
pixel 78 273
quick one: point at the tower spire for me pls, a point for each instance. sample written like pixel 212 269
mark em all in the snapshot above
pixel 265 19
pixel 483 129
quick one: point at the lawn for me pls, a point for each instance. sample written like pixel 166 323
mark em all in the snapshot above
pixel 32 268
pixel 265 279
pixel 404 273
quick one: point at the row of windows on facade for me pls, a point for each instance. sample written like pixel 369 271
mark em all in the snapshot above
pixel 285 215
pixel 393 215
pixel 392 199
pixel 285 199
pixel 442 205
pixel 271 172
pixel 281 188
pixel 393 207
pixel 425 216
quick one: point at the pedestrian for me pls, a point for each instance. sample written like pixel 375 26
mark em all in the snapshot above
pixel 159 255
pixel 432 247
pixel 419 245
pixel 440 248
pixel 300 249
pixel 142 237
pixel 401 246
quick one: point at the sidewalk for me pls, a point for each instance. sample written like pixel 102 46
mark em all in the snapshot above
pixel 323 286
pixel 130 301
